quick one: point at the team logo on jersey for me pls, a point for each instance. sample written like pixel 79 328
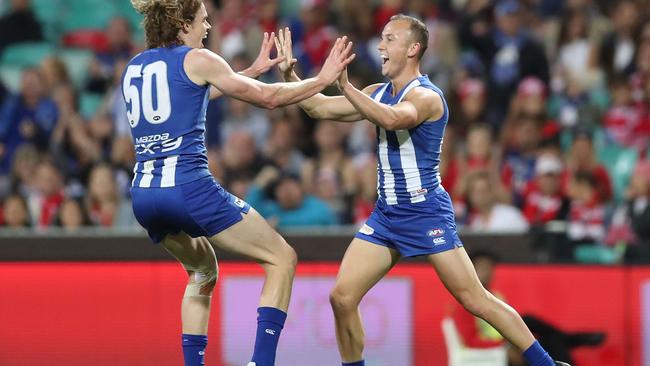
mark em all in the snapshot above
pixel 367 230
pixel 435 232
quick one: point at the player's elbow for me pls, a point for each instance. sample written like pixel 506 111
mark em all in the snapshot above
pixel 270 102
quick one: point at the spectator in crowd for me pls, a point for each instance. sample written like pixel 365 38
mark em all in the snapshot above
pixel 544 200
pixel 313 36
pixel 508 52
pixel 574 48
pixel 280 148
pixel 14 212
pixel 238 157
pixel 617 49
pixel 71 216
pixel 46 198
pixel 281 199
pixel 630 223
pixel 587 212
pixel 472 99
pixel 113 104
pixel 520 155
pixel 626 123
pixel 103 203
pixel 19 25
pixel 119 46
pixel 581 158
pixel 366 188
pixel 486 213
pixel 329 175
pixel 242 116
pixel 54 73
pixel 28 117
pixel 22 179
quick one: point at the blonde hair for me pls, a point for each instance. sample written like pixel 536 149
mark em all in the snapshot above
pixel 165 19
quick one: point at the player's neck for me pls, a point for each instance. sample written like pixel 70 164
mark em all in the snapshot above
pixel 405 77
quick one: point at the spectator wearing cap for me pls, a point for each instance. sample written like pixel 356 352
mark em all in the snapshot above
pixel 509 53
pixel 581 158
pixel 543 199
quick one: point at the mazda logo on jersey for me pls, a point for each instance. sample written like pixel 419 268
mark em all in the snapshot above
pixel 156 143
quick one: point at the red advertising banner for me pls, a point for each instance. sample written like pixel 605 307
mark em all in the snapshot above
pixel 127 313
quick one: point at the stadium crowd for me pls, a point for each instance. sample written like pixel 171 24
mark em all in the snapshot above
pixel 548 131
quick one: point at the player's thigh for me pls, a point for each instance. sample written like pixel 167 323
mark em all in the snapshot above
pixel 254 238
pixel 193 253
pixel 456 272
pixel 363 265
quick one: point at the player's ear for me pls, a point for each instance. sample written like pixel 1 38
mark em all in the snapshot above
pixel 413 50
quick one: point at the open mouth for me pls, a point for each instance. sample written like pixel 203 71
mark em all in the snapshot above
pixel 384 59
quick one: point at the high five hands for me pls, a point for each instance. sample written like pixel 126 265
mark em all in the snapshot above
pixel 335 67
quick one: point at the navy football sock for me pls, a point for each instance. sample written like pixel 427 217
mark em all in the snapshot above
pixel 194 349
pixel 357 363
pixel 270 322
pixel 535 355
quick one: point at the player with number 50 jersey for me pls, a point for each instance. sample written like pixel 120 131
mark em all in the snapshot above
pixel 166 90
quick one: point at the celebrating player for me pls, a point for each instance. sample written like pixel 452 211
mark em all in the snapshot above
pixel 413 215
pixel 166 90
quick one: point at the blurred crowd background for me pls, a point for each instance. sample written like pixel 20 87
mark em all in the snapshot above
pixel 548 132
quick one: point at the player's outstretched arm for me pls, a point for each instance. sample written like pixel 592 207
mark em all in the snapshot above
pixel 204 66
pixel 262 63
pixel 419 105
pixel 336 108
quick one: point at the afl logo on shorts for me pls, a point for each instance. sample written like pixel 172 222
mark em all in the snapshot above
pixel 435 232
pixel 367 230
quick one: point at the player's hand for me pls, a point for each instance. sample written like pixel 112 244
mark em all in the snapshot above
pixel 339 58
pixel 264 62
pixel 284 47
pixel 342 82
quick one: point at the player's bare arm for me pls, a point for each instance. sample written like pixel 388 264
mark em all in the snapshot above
pixel 419 105
pixel 262 63
pixel 204 66
pixel 319 106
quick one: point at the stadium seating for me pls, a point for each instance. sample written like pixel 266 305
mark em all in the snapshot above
pixel 11 76
pixel 89 103
pixel 459 355
pixel 620 164
pixel 27 54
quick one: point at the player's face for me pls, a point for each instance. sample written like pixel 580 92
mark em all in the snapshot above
pixel 198 30
pixel 393 48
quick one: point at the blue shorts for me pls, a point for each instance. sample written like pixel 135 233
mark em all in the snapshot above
pixel 199 208
pixel 414 229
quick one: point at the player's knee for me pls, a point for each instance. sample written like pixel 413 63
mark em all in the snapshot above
pixel 285 257
pixel 474 302
pixel 202 279
pixel 342 301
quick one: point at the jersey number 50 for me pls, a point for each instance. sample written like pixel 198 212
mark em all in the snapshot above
pixel 163 109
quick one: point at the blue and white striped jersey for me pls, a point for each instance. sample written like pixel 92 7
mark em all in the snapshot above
pixel 408 160
pixel 166 111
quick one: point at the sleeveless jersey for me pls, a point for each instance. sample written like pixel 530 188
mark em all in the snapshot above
pixel 408 160
pixel 166 111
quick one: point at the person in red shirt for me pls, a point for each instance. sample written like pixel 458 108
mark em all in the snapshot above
pixel 582 159
pixel 544 200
